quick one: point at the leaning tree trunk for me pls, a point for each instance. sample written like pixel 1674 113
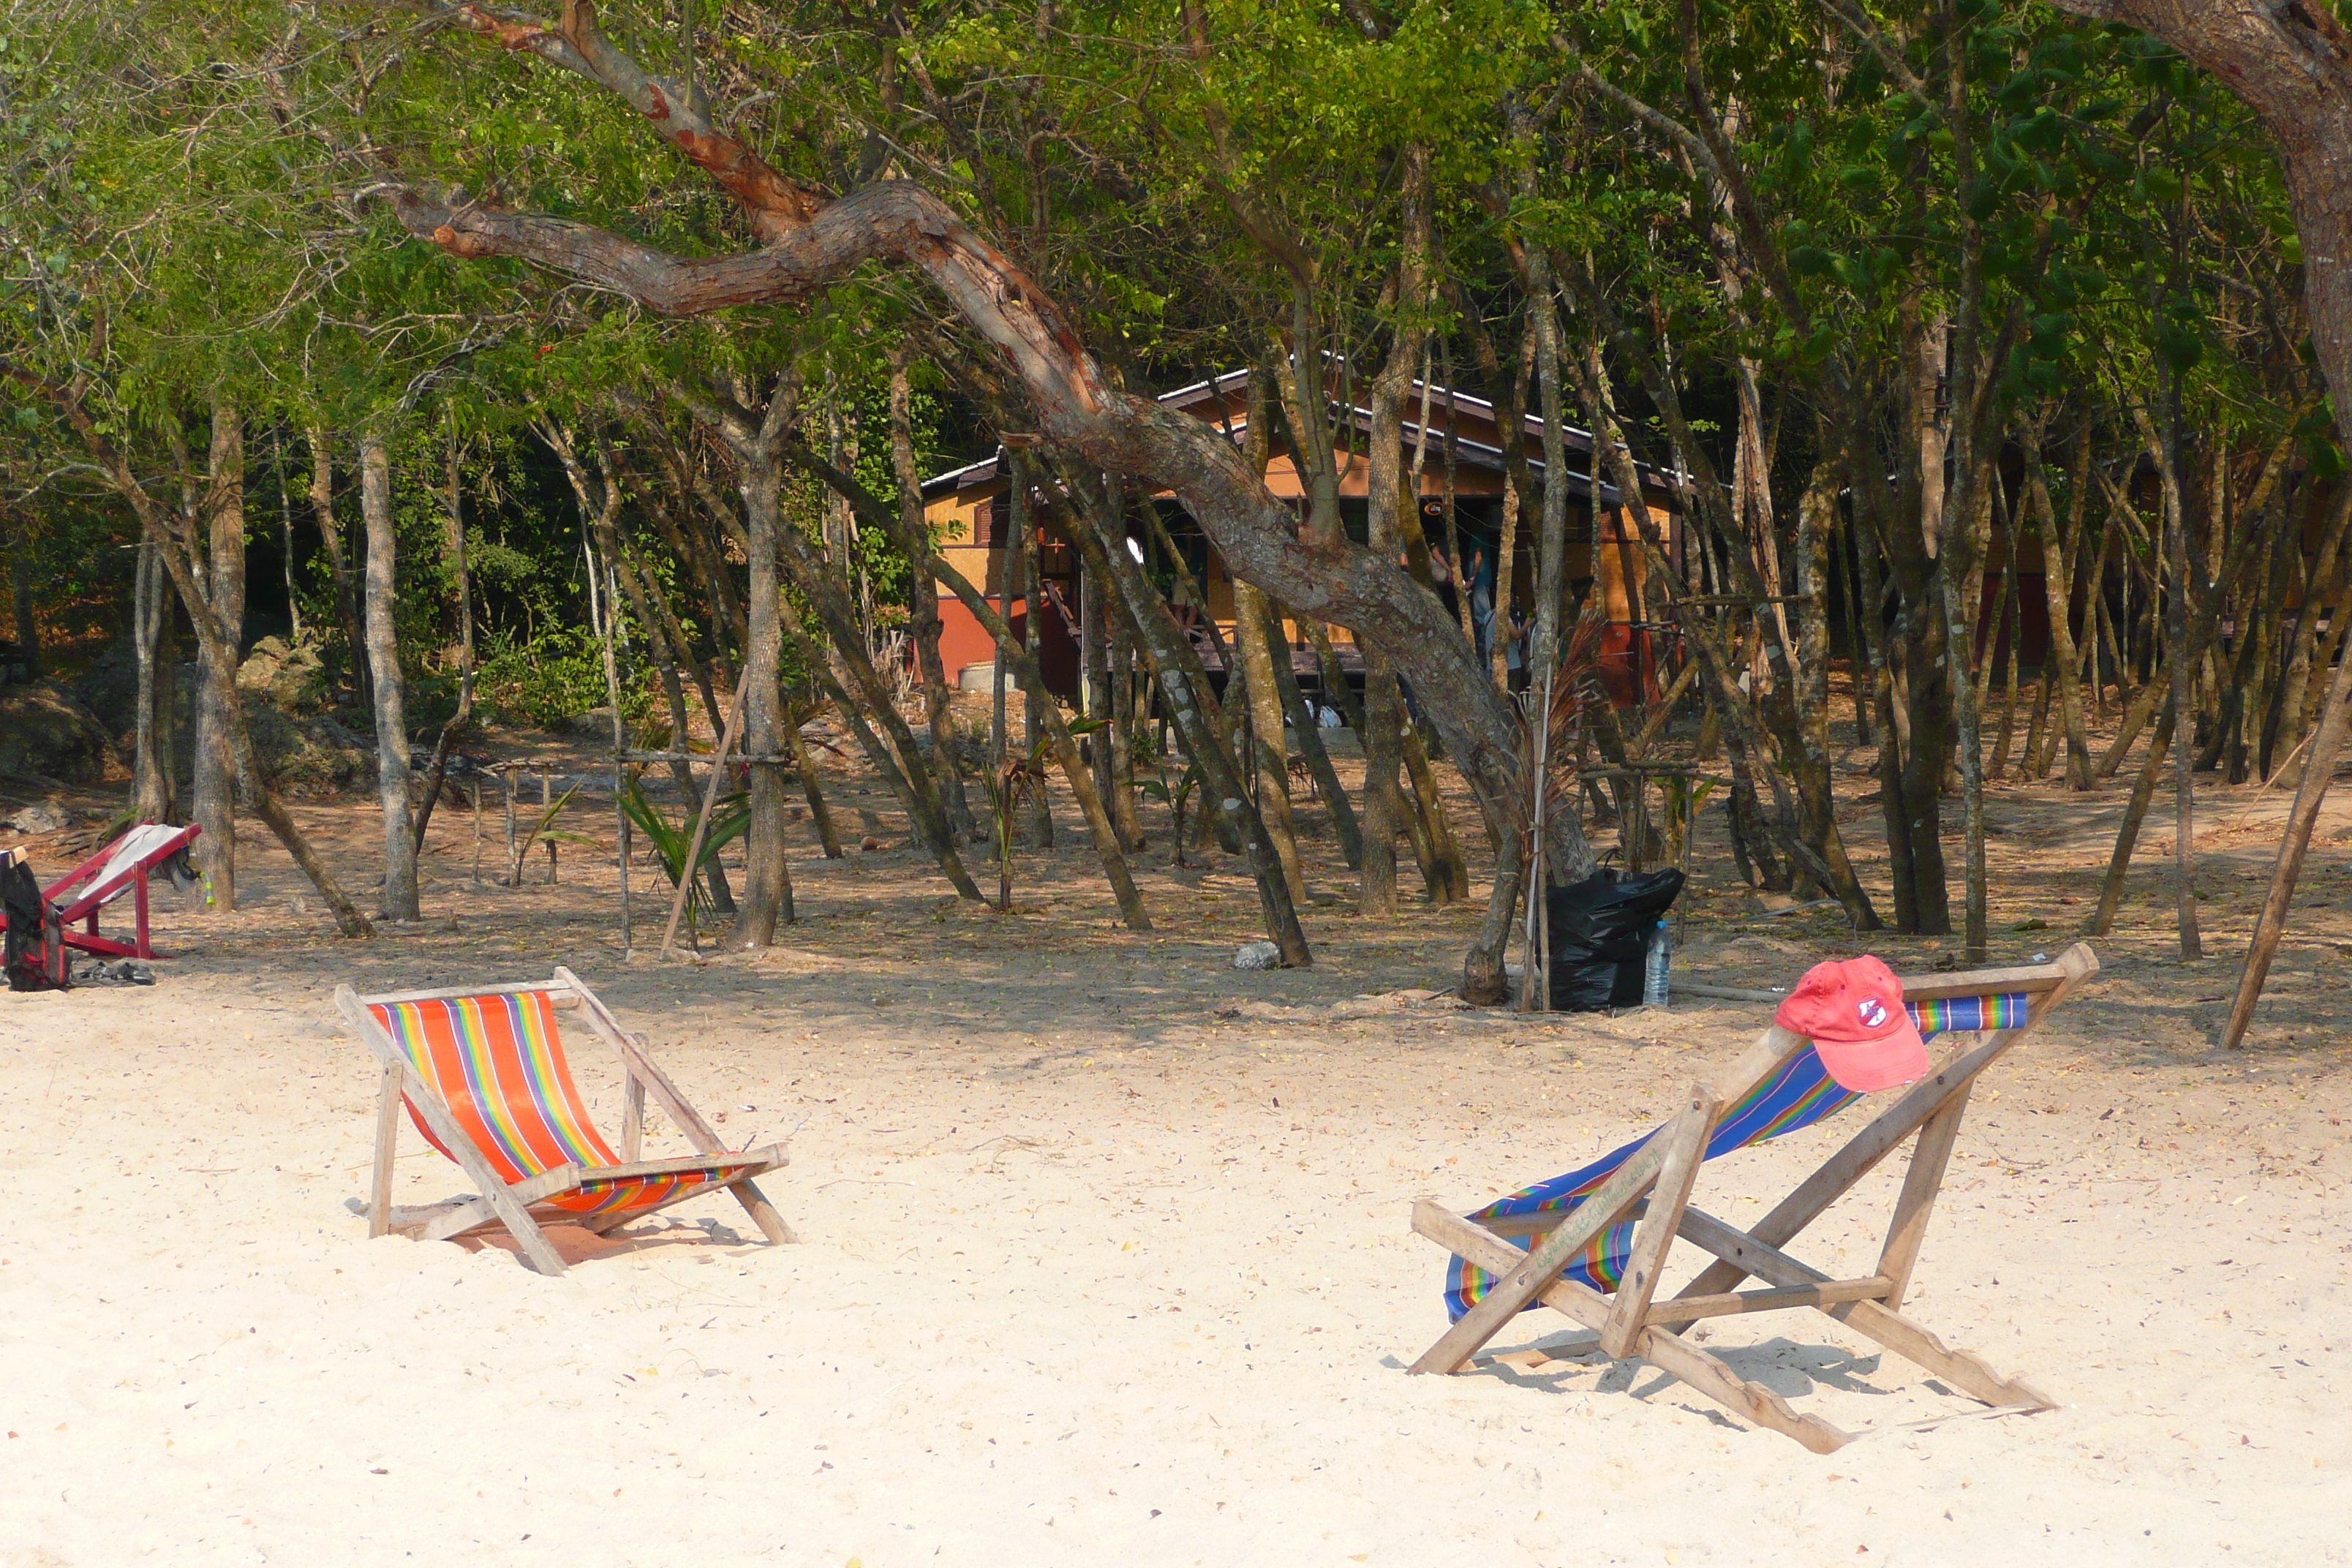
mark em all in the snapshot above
pixel 1306 721
pixel 1269 759
pixel 1193 707
pixel 399 902
pixel 216 760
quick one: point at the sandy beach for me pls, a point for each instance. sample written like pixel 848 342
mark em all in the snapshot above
pixel 1104 1252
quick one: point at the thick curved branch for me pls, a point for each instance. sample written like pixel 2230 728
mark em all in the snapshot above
pixel 1077 410
pixel 2291 61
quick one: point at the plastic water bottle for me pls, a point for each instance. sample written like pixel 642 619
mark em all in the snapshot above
pixel 1654 963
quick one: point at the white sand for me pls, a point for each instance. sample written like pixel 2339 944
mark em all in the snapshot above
pixel 1073 1287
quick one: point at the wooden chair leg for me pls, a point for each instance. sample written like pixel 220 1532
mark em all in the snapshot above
pixel 1524 1280
pixel 387 1141
pixel 1668 1352
pixel 1930 1156
pixel 1912 1340
pixel 763 1213
pixel 633 1117
pixel 1667 1201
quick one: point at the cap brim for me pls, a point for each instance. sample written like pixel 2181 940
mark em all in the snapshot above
pixel 1866 1067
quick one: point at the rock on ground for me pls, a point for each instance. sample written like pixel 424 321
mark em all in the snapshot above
pixel 45 729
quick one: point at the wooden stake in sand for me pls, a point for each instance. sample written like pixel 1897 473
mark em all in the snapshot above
pixel 546 799
pixel 702 819
pixel 2318 772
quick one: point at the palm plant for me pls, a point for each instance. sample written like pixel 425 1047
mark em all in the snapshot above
pixel 730 816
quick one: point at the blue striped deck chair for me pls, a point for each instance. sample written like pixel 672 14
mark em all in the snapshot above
pixel 483 1074
pixel 1590 1244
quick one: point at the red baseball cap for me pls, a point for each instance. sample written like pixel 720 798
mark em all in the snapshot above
pixel 1852 1009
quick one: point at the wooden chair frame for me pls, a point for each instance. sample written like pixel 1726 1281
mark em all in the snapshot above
pixel 1653 1186
pixel 498 1202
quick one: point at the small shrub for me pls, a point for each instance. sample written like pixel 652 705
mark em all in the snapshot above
pixel 555 675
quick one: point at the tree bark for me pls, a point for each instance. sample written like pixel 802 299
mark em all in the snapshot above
pixel 767 898
pixel 1265 710
pixel 1304 720
pixel 154 792
pixel 399 900
pixel 2059 547
pixel 2318 772
pixel 214 793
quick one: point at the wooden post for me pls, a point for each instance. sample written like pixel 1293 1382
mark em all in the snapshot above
pixel 474 789
pixel 546 799
pixel 2318 769
pixel 514 857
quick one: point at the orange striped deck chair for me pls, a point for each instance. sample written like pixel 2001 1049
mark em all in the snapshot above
pixel 1593 1244
pixel 483 1075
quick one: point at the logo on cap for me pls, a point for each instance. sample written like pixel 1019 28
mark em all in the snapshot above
pixel 1872 1011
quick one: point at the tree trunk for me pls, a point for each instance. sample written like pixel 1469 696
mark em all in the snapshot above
pixel 767 898
pixel 1193 706
pixel 2317 774
pixel 914 541
pixel 2111 886
pixel 399 901
pixel 177 544
pixel 2059 548
pixel 1022 662
pixel 2184 664
pixel 1122 742
pixel 1270 760
pixel 1041 717
pixel 347 599
pixel 807 239
pixel 154 792
pixel 1306 721
pixel 215 762
pixel 461 592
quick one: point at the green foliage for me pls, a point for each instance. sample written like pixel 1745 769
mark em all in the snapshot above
pixel 731 816
pixel 555 675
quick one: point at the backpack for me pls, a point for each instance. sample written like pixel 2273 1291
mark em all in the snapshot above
pixel 33 948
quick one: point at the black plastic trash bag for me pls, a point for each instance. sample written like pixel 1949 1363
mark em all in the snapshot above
pixel 1599 934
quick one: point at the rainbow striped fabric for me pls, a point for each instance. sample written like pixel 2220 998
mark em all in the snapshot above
pixel 1797 1096
pixel 498 1064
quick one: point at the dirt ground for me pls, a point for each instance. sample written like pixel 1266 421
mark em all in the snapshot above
pixel 1103 1246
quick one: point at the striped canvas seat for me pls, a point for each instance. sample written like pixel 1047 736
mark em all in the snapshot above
pixel 1800 1093
pixel 497 1063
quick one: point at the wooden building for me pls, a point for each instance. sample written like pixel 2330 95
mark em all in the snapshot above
pixel 968 512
